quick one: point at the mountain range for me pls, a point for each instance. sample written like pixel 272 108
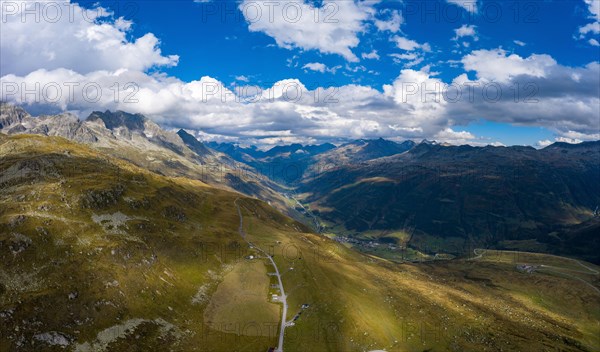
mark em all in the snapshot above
pixel 425 196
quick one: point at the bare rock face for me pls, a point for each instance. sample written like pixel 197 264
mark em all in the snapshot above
pixel 63 125
pixel 113 120
pixel 105 129
pixel 15 120
pixel 11 115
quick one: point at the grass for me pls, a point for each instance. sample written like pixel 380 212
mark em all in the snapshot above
pixel 242 300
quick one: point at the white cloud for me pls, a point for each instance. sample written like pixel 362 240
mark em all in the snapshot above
pixel 448 135
pixel 391 24
pixel 372 55
pixel 407 56
pixel 572 135
pixel 568 140
pixel 320 67
pixel 315 66
pixel 414 55
pixel 242 78
pixel 332 28
pixel 357 68
pixel 466 31
pixel 414 106
pixel 594 8
pixel 593 27
pixel 409 45
pixel 84 40
pixel 528 93
pixel 408 60
pixel 420 95
pixel 544 143
pixel 469 5
pixel 498 65
pixel 519 43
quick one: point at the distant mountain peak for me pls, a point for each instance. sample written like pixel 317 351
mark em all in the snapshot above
pixel 566 145
pixel 426 141
pixel 112 120
pixel 193 143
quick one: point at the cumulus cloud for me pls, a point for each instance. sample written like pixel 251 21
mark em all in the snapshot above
pixel 569 137
pixel 593 27
pixel 392 23
pixel 468 5
pixel 416 105
pixel 466 31
pixel 410 45
pixel 448 135
pixel 331 28
pixel 372 55
pixel 68 35
pixel 320 67
pixel 544 143
pixel 499 66
pixel 534 91
pixel 593 8
pixel 580 137
pixel 316 66
pixel 419 95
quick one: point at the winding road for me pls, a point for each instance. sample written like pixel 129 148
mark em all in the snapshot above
pixel 309 213
pixel 283 297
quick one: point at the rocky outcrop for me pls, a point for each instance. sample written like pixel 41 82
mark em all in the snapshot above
pixel 11 116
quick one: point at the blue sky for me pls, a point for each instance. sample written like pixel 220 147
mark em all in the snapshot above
pixel 362 48
pixel 212 38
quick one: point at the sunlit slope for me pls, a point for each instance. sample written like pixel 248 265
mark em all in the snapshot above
pixel 100 255
pixel 92 246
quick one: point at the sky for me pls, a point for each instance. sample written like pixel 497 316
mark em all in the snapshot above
pixel 279 72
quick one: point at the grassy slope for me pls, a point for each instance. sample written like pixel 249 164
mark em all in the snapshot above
pixel 157 273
